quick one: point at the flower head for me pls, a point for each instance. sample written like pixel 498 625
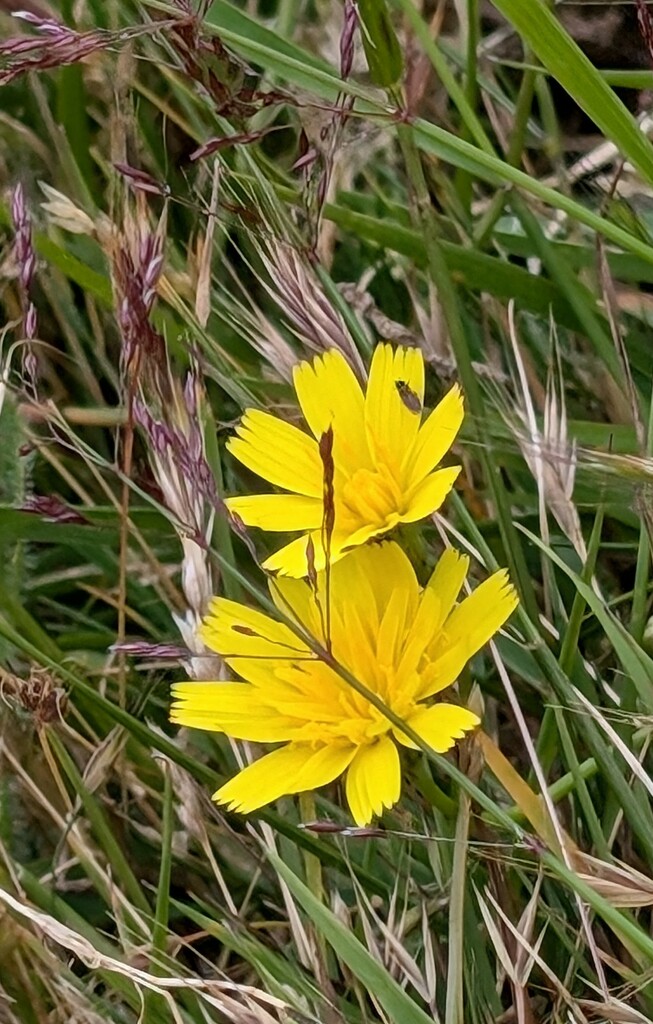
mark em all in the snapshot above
pixel 403 643
pixel 384 456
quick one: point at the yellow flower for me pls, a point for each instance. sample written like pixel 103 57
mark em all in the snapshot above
pixel 404 644
pixel 384 456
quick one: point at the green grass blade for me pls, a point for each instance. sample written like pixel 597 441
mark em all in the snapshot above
pixel 375 978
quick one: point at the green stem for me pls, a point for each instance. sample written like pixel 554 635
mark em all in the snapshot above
pixel 162 910
pixel 448 299
pixel 455 1007
pixel 643 567
pixel 103 833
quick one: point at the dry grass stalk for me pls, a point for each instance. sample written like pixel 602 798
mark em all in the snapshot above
pixel 294 287
pixel 203 288
pixel 612 1011
pixel 620 884
pixel 58 45
pixel 529 955
pixel 548 452
pixel 222 995
pixel 177 455
pixel 516 950
pixel 25 258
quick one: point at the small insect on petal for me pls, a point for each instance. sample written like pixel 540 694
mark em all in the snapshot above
pixel 367 456
pixel 409 397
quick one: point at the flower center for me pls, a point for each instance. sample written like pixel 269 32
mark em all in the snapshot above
pixel 373 497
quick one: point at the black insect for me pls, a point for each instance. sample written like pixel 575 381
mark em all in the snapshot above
pixel 409 397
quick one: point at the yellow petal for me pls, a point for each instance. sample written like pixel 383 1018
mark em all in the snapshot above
pixel 292 769
pixel 435 436
pixel 279 452
pixel 373 780
pixel 330 396
pixel 292 559
pixel 468 628
pixel 371 575
pixel 362 588
pixel 417 638
pixel 232 708
pixel 427 497
pixel 439 726
pixel 446 583
pixel 234 630
pixel 294 597
pixel 194 697
pixel 347 542
pixel 282 512
pixel 324 765
pixel 363 585
pixel 393 627
pixel 436 604
pixel 393 403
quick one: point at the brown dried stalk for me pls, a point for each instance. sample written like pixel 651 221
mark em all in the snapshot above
pixel 26 263
pixel 293 285
pixel 59 45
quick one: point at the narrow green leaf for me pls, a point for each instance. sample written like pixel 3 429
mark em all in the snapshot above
pixel 540 29
pixel 153 739
pixel 635 662
pixel 396 1003
pixel 432 139
pixel 380 43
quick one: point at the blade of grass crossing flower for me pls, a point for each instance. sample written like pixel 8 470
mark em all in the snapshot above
pixel 438 760
pixel 373 976
pixel 101 710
